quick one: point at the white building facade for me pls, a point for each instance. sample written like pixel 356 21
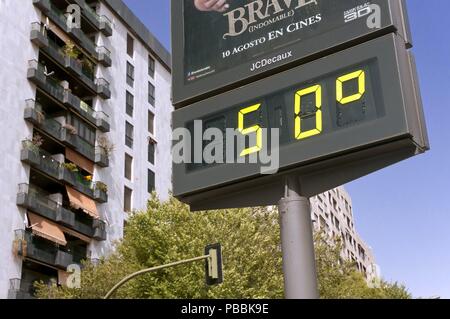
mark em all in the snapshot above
pixel 86 118
pixel 332 213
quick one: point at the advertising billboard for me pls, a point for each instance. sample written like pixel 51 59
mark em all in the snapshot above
pixel 218 48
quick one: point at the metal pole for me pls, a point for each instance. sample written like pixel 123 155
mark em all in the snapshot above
pixel 299 266
pixel 145 271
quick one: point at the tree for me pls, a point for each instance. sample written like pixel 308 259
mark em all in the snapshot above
pixel 169 232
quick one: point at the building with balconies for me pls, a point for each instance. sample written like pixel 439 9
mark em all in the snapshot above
pixel 85 118
pixel 332 214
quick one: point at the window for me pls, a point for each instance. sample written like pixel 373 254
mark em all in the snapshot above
pixel 130 104
pixel 129 133
pixel 336 223
pixel 130 45
pixel 130 74
pixel 151 122
pixel 151 66
pixel 151 94
pixel 127 194
pixel 151 181
pixel 128 167
pixel 83 130
pixel 151 152
pixel 335 204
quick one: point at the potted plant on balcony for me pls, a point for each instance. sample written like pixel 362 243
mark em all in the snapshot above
pixel 33 144
pixel 30 153
pixel 105 146
pixel 88 67
pixel 70 167
pixel 71 129
pixel 70 50
pixel 101 192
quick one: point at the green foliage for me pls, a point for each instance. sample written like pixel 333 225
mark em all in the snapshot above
pixel 169 232
pixel 101 187
pixel 70 50
pixel 70 167
pixel 339 279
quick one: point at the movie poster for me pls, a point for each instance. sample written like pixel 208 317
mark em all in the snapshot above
pixel 222 34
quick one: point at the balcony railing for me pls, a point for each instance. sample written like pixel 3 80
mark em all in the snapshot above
pixel 19 289
pixel 38 35
pixel 102 121
pixel 102 23
pixel 82 147
pixel 37 200
pixel 32 155
pixel 104 56
pixel 59 18
pixel 34 114
pixel 81 107
pixel 46 163
pixel 44 251
pixel 83 70
pixel 38 74
pixel 103 88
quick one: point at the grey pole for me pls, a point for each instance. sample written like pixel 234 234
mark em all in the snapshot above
pixel 299 266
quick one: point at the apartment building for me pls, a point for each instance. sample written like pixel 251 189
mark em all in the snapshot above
pixel 85 117
pixel 332 213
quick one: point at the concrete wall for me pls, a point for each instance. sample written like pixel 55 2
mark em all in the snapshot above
pixel 15 51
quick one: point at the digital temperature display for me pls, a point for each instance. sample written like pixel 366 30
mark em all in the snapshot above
pixel 333 120
pixel 316 107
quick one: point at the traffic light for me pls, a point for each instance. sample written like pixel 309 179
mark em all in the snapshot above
pixel 213 265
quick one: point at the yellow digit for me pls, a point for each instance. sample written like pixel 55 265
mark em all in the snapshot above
pixel 254 129
pixel 361 76
pixel 317 90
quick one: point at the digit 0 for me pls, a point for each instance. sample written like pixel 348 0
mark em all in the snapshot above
pixel 299 134
pixel 361 76
pixel 253 129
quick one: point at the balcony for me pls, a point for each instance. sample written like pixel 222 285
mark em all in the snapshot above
pixel 101 23
pixel 100 192
pixel 100 230
pixel 80 107
pixel 58 17
pixel 34 114
pixel 37 74
pixel 46 163
pixel 103 88
pixel 104 56
pixel 19 289
pixel 63 259
pixel 37 201
pixel 32 155
pixel 101 159
pixel 80 145
pixel 38 36
pixel 35 248
pixel 43 5
pixel 67 58
pixel 98 119
pixel 83 184
pixel 102 122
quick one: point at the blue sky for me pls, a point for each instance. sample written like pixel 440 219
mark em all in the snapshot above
pixel 402 212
